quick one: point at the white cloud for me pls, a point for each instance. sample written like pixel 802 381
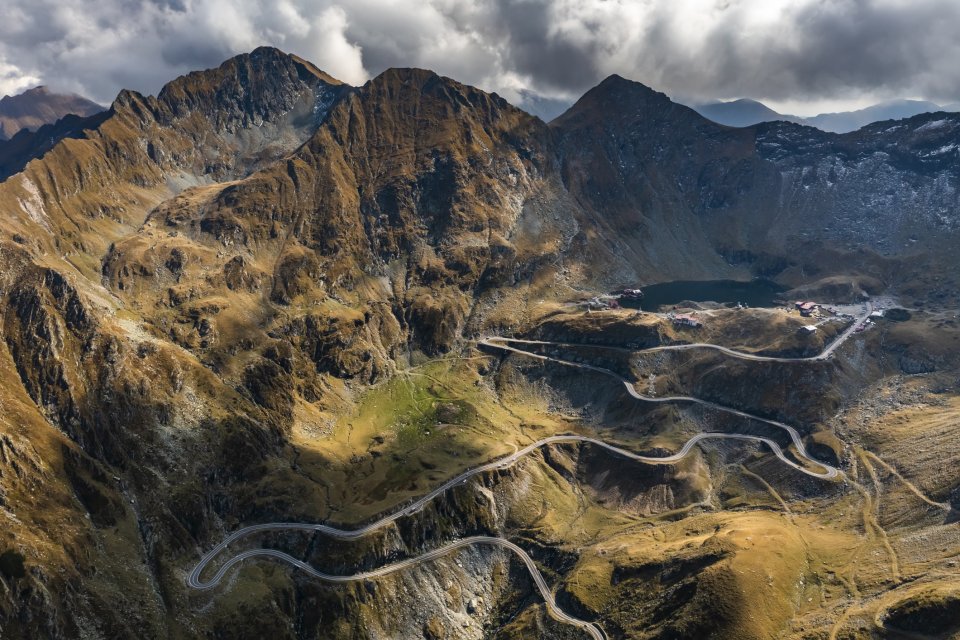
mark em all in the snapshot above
pixel 13 80
pixel 786 51
pixel 330 50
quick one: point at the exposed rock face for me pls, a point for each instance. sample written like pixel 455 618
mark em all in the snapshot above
pixel 187 276
pixel 99 182
pixel 260 106
pixel 710 197
pixel 398 207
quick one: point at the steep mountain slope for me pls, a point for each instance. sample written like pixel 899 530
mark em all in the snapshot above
pixel 251 298
pixel 622 144
pixel 36 107
pixel 235 311
pixel 90 189
pixel 403 207
pixel 27 145
pixel 693 197
pixel 92 411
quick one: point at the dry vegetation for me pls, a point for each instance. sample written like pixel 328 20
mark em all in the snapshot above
pixel 219 311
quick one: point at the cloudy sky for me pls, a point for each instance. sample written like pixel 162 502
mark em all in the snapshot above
pixel 799 56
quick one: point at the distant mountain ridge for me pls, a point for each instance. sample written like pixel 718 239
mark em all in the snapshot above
pixel 39 106
pixel 742 113
pixel 746 112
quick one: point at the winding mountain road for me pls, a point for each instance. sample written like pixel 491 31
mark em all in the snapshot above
pixel 743 355
pixel 830 472
pixel 194 579
pixel 555 611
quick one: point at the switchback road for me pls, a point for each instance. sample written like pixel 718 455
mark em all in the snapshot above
pixel 194 579
pixel 829 472
pixel 555 611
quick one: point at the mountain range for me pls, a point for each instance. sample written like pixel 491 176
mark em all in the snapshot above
pixel 260 296
pixel 746 112
pixel 36 107
pixel 39 106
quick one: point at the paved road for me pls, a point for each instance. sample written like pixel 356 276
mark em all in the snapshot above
pixel 743 355
pixel 859 322
pixel 194 579
pixel 555 611
pixel 829 472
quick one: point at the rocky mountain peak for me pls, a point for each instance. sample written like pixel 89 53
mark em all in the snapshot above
pixel 428 95
pixel 246 90
pixel 617 89
pixel 616 82
pixel 213 125
pixel 619 100
pixel 41 90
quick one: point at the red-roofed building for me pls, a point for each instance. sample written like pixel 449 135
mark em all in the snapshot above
pixel 807 308
pixel 686 320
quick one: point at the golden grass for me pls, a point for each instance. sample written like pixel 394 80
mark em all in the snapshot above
pixel 407 435
pixel 762 564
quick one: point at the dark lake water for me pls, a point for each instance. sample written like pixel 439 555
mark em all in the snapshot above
pixel 753 293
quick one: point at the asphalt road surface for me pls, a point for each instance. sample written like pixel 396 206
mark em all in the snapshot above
pixel 555 611
pixel 828 472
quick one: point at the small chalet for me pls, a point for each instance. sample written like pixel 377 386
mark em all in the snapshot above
pixel 686 320
pixel 806 309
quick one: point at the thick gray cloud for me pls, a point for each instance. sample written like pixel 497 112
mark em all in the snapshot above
pixel 788 52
